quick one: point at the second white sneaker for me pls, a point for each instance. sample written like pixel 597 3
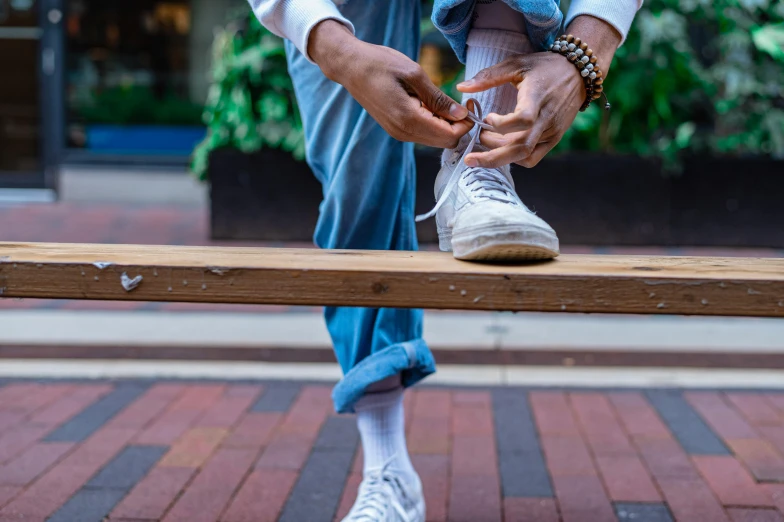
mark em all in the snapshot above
pixel 384 496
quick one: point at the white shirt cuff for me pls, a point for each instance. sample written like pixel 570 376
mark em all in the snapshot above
pixel 295 19
pixel 618 13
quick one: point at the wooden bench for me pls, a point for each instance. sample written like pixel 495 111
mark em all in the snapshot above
pixel 572 283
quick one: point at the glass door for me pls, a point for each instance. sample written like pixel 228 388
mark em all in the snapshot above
pixel 22 144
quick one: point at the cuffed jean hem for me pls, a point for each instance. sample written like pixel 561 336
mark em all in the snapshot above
pixel 413 360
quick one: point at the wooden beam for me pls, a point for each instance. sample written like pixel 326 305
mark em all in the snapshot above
pixel 572 283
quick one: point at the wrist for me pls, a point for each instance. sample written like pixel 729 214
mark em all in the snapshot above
pixel 329 46
pixel 602 38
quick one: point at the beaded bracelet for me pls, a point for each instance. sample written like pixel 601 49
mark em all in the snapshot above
pixel 577 52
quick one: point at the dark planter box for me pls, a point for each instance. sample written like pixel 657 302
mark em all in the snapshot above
pixel 269 196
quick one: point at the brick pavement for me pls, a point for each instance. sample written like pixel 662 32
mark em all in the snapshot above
pixel 141 451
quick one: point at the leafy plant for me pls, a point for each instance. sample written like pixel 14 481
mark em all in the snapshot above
pixel 137 105
pixel 251 103
pixel 694 76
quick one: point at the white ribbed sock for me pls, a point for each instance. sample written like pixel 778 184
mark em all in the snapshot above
pixel 487 47
pixel 381 426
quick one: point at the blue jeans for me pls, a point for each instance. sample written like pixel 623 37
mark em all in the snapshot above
pixel 368 181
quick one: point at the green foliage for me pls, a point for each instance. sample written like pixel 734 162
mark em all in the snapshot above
pixel 251 102
pixel 694 76
pixel 137 105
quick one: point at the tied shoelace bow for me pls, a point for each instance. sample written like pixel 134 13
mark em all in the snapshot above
pixel 378 494
pixel 454 179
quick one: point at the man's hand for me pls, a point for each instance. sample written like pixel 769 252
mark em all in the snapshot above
pixel 550 93
pixel 394 89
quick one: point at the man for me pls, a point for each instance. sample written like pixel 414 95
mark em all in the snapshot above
pixel 364 100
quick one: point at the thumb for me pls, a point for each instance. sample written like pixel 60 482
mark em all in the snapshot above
pixel 507 71
pixel 437 100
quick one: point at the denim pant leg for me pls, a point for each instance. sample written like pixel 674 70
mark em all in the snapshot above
pixel 368 180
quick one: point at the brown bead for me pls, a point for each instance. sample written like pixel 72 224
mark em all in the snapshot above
pixel 570 38
pixel 593 60
pixel 598 73
pixel 580 65
pixel 596 96
pixel 588 53
pixel 571 57
pixel 583 46
pixel 598 88
pixel 598 81
pixel 577 42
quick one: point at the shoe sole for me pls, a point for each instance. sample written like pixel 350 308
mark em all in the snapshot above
pixel 505 244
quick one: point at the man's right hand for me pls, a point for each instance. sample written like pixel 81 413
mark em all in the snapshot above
pixel 394 89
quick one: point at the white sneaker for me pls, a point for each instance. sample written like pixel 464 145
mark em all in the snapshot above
pixel 385 497
pixel 480 217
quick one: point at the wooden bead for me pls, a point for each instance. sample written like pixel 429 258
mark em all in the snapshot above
pixel 593 59
pixel 588 52
pixel 598 81
pixel 598 88
pixel 598 74
pixel 577 42
pixel 583 46
pixel 570 38
pixel 596 96
pixel 571 57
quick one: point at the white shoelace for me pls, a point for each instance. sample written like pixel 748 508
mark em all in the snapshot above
pixel 492 182
pixel 378 494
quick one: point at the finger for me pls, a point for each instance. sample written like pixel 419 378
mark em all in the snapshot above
pixel 540 151
pixel 501 73
pixel 526 112
pixel 435 99
pixel 422 126
pixel 518 149
pixel 494 140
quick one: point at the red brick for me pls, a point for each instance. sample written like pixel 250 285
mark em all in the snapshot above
pixel 691 500
pixel 599 424
pixel 309 411
pixel 147 407
pixel 552 414
pixel 56 486
pixel 530 510
pixel 70 404
pixel 755 515
pixel 359 461
pixel 756 409
pixel 37 459
pixel 230 408
pixel 432 404
pixel 776 492
pixel 724 420
pixel 567 455
pixel 474 455
pixel 626 479
pixel 637 416
pixel 472 421
pixel 582 498
pixel 434 472
pixel 7 493
pixel 261 497
pixel 10 393
pixel 475 497
pixel 18 439
pixel 666 459
pixel 472 398
pixel 168 427
pixel 180 415
pixel 152 496
pixel 348 496
pixel 429 435
pixel 10 419
pixel 194 448
pixel 774 435
pixel 765 463
pixel 43 396
pixel 730 481
pixel 254 430
pixel 776 400
pixel 212 489
pixel 286 452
